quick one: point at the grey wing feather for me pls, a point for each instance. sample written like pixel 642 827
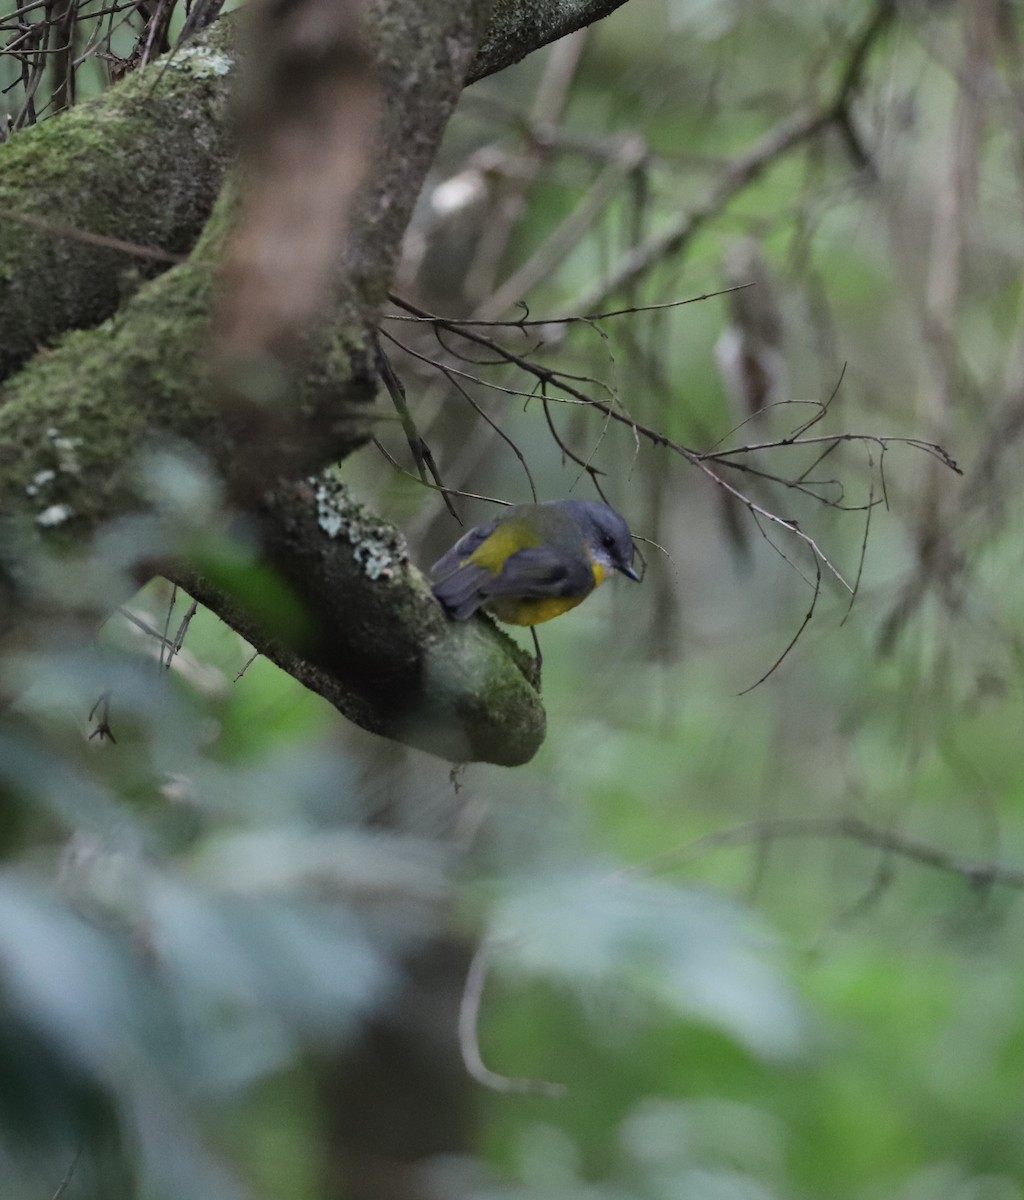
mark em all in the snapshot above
pixel 451 559
pixel 458 584
pixel 538 572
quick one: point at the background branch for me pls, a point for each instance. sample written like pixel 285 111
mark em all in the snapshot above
pixel 976 871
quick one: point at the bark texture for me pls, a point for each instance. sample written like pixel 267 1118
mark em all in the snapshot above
pixel 375 643
pixel 143 163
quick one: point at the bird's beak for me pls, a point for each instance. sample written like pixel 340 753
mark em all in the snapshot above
pixel 630 573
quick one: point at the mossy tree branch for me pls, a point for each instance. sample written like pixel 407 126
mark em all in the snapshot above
pixel 143 163
pixel 382 651
pixel 374 642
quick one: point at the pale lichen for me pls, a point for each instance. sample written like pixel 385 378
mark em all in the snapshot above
pixel 66 449
pixel 201 61
pixel 55 515
pixel 66 452
pixel 39 480
pixel 377 547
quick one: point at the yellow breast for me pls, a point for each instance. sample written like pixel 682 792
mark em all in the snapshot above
pixel 534 610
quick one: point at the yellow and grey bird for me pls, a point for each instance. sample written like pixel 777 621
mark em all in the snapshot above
pixel 534 562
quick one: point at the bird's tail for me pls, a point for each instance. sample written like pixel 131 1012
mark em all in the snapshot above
pixel 461 591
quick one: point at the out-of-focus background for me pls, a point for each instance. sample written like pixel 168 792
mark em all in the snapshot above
pixel 766 939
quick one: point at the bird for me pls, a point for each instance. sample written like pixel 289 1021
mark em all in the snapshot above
pixel 534 562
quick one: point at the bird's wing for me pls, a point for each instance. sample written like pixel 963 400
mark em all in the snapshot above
pixel 451 560
pixel 540 571
pixel 463 586
pixel 456 582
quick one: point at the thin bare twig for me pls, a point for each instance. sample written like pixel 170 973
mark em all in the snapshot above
pixel 166 642
pixel 179 638
pixel 863 545
pixel 434 487
pixel 103 730
pixel 747 168
pixel 56 229
pixel 422 454
pixel 246 665
pixel 62 1187
pixel 796 636
pixel 548 376
pixel 469 1040
pixel 565 236
pixel 525 322
pixel 882 440
pixel 144 626
pixel 478 409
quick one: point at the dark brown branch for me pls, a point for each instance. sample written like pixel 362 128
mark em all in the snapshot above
pixel 517 27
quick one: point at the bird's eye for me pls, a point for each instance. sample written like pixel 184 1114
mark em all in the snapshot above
pixel 608 541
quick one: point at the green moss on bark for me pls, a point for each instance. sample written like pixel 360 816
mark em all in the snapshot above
pixel 140 378
pixel 385 653
pixel 142 163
